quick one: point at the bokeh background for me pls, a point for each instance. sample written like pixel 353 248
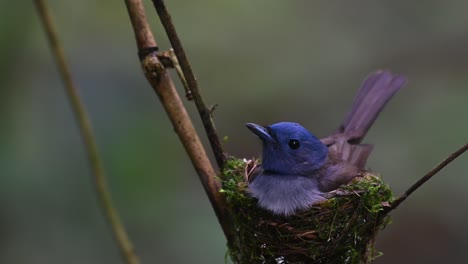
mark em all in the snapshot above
pixel 262 61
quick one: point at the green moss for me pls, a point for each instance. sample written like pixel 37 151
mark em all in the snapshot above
pixel 341 230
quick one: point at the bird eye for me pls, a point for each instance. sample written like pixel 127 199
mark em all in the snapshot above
pixel 294 144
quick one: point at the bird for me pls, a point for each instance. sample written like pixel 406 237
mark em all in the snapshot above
pixel 298 169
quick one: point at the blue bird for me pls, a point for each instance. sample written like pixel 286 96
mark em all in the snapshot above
pixel 298 169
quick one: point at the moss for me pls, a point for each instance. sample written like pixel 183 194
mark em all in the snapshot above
pixel 341 230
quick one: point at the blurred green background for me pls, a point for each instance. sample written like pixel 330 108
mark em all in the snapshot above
pixel 262 61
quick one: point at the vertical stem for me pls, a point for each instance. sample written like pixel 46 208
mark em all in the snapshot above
pixel 203 110
pixel 120 235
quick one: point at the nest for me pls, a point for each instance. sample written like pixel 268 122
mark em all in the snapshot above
pixel 341 230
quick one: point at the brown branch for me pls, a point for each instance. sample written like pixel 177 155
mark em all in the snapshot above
pixel 426 177
pixel 84 123
pixel 162 84
pixel 203 110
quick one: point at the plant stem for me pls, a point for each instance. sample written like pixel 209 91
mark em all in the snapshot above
pixel 203 110
pixel 427 177
pixel 84 123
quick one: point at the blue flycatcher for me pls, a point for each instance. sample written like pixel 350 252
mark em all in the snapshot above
pixel 298 169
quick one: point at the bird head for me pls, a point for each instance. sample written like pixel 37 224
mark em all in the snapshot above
pixel 289 148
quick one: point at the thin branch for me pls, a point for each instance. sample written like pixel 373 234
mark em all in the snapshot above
pixel 426 177
pixel 162 84
pixel 180 73
pixel 120 235
pixel 203 110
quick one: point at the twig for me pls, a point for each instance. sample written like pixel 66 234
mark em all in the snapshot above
pixel 203 110
pixel 162 84
pixel 426 177
pixel 180 73
pixel 84 123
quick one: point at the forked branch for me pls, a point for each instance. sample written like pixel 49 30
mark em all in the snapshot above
pixel 192 83
pixel 162 84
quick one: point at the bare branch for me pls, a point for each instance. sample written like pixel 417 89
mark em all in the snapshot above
pixel 203 110
pixel 427 177
pixel 162 84
pixel 84 123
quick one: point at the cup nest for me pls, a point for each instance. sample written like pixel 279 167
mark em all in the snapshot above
pixel 340 230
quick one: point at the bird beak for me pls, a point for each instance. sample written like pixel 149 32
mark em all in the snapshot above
pixel 260 131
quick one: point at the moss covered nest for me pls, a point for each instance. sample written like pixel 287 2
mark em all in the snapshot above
pixel 341 230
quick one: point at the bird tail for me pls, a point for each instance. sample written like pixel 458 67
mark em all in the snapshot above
pixel 376 90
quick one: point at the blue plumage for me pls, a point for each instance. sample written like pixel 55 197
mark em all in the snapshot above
pixel 298 168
